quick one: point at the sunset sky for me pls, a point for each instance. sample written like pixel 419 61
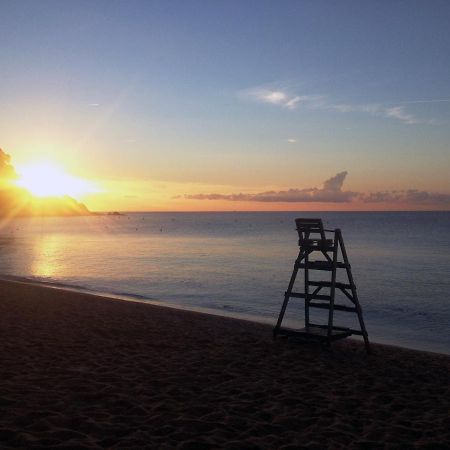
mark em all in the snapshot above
pixel 232 105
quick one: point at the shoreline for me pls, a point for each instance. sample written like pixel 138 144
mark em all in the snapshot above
pixel 165 304
pixel 83 371
pixel 136 298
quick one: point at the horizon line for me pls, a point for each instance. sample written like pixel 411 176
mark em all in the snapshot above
pixel 272 211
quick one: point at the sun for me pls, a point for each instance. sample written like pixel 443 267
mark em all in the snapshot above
pixel 46 179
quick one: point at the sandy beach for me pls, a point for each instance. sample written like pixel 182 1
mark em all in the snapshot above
pixel 79 371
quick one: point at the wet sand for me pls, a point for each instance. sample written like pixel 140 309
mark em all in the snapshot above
pixel 79 371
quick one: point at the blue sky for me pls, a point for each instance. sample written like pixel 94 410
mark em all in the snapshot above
pixel 197 97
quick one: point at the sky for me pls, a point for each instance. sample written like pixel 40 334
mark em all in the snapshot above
pixel 232 105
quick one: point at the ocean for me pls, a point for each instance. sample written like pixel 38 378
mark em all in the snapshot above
pixel 239 264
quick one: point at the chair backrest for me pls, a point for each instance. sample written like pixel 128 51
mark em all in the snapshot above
pixel 308 227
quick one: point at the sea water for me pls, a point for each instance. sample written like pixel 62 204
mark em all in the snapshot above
pixel 239 264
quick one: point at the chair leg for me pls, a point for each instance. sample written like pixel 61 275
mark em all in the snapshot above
pixel 286 299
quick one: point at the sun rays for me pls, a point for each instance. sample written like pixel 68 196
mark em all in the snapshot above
pixel 46 179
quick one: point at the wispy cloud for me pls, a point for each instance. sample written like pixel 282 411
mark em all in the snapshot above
pixel 332 191
pixel 290 100
pixel 399 113
pixel 438 100
pixel 279 97
pixel 378 110
pixel 292 103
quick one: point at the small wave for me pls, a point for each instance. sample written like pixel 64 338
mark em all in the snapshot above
pixel 74 287
pixel 128 294
pixel 44 281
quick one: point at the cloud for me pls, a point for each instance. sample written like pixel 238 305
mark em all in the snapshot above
pixel 277 97
pixel 289 100
pixel 377 110
pixel 399 113
pixel 379 197
pixel 331 192
pixel 407 196
pixel 292 103
pixel 291 140
pixel 436 100
pixel 335 183
pixel 342 107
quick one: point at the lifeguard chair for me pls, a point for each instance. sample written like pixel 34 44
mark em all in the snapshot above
pixel 322 251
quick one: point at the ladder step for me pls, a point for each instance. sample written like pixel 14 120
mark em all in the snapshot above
pixel 316 333
pixel 336 307
pixel 310 296
pixel 326 326
pixel 322 265
pixel 357 332
pixel 328 284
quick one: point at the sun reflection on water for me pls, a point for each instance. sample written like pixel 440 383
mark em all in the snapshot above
pixel 48 261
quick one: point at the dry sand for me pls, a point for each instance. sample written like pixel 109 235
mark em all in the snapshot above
pixel 78 371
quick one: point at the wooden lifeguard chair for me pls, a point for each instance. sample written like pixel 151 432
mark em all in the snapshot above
pixel 328 246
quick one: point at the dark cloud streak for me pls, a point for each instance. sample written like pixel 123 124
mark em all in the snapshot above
pixel 407 196
pixel 331 192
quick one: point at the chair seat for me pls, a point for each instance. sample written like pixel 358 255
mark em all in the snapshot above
pixel 316 243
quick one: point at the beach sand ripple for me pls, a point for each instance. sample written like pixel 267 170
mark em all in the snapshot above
pixel 78 371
